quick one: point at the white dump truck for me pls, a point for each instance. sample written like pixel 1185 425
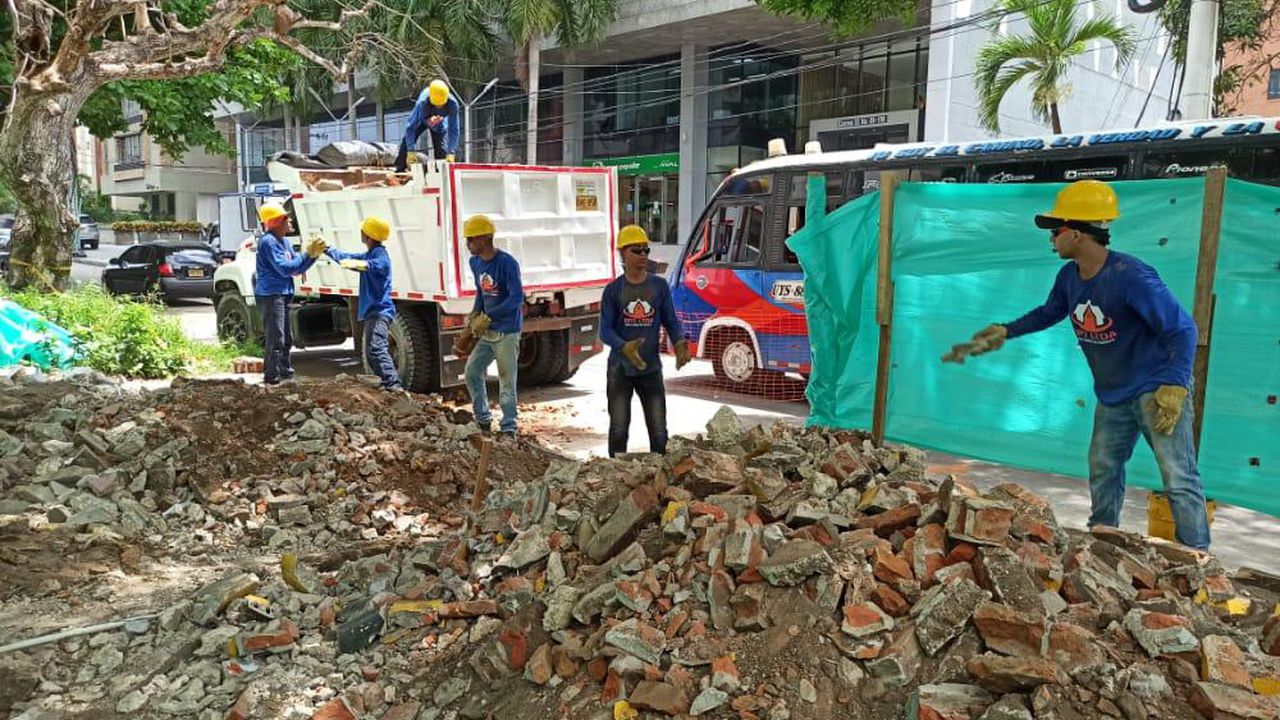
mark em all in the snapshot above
pixel 559 222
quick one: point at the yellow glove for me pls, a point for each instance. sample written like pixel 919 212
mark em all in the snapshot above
pixel 683 356
pixel 1166 405
pixel 316 247
pixel 986 340
pixel 357 265
pixel 478 323
pixel 448 158
pixel 631 351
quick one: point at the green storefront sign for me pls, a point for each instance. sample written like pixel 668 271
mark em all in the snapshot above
pixel 660 164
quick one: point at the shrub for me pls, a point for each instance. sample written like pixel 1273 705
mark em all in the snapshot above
pixel 163 226
pixel 118 336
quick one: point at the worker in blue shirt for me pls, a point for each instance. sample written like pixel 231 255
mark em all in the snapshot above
pixel 376 309
pixel 1140 344
pixel 634 309
pixel 273 289
pixel 437 112
pixel 494 324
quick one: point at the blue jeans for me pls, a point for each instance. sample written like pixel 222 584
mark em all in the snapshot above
pixel 1115 433
pixel 376 353
pixel 653 403
pixel 505 348
pixel 276 365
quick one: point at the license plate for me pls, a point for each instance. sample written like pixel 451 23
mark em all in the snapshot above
pixel 195 273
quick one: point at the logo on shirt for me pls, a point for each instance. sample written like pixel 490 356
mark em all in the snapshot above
pixel 488 285
pixel 1092 324
pixel 637 313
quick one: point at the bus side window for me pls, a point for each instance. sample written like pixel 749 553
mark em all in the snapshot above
pixel 719 231
pixel 750 239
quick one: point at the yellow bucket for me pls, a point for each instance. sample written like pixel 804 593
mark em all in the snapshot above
pixel 1160 515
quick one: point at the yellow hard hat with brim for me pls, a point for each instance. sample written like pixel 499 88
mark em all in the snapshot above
pixel 1086 201
pixel 438 92
pixel 632 235
pixel 376 229
pixel 478 225
pixel 270 211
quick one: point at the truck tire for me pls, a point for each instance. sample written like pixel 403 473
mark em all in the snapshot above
pixel 544 358
pixel 235 320
pixel 412 343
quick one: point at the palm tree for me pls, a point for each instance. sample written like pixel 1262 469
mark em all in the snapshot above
pixel 573 22
pixel 1057 34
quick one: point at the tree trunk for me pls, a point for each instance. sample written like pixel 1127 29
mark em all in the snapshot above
pixel 531 153
pixel 351 103
pixel 37 164
pixel 1053 116
pixel 288 127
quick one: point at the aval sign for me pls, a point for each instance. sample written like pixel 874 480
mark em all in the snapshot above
pixel 660 164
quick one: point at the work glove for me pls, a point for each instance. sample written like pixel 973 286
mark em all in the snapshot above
pixel 987 340
pixel 448 158
pixel 683 355
pixel 631 351
pixel 357 265
pixel 1166 405
pixel 316 247
pixel 465 343
pixel 478 323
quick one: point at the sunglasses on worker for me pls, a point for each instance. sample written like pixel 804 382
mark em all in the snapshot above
pixel 638 250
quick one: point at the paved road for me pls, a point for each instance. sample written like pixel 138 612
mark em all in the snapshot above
pixel 573 417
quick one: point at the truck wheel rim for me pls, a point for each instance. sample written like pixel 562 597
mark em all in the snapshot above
pixel 739 361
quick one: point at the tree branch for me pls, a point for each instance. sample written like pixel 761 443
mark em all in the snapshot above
pixel 345 17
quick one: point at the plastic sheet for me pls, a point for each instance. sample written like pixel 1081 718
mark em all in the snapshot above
pixel 968 255
pixel 26 336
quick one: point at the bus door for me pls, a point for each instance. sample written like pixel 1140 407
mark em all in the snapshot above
pixel 717 288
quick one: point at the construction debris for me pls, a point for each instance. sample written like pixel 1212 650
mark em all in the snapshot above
pixel 308 552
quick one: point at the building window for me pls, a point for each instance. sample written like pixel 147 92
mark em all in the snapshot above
pixel 131 110
pixel 1273 85
pixel 129 151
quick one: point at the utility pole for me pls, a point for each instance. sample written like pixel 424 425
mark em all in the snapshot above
pixel 466 118
pixel 531 154
pixel 1202 58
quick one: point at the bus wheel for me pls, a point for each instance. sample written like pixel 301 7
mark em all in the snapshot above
pixel 734 358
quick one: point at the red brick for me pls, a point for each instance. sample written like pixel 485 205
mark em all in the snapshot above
pixel 403 711
pixel 928 553
pixel 1072 646
pixel 1222 662
pixel 890 601
pixel 962 553
pixel 1011 674
pixel 846 463
pixel 1223 702
pixel 469 609
pixel 887 523
pixel 335 709
pixel 660 697
pixel 285 635
pixel 517 645
pixel 612 688
pixel 675 621
pixel 539 668
pixel 598 668
pixel 890 568
pixel 240 710
pixel 1009 631
pixel 864 619
pixel 724 674
pixel 697 507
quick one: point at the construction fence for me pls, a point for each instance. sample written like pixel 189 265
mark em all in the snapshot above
pixel 965 256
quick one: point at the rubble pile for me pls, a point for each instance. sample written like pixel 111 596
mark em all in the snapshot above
pixel 750 573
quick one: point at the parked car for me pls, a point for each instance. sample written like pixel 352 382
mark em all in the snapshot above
pixel 89 233
pixel 170 270
pixel 6 233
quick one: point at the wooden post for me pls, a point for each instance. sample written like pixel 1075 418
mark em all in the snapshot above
pixel 481 487
pixel 884 304
pixel 1215 181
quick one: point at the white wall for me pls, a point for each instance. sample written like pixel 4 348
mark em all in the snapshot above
pixel 1100 98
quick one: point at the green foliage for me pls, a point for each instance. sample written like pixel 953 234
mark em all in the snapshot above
pixel 157 226
pixel 122 337
pixel 846 17
pixel 177 113
pixel 7 203
pixel 1058 32
pixel 1238 21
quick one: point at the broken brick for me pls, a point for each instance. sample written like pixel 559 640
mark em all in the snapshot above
pixel 1011 632
pixel 621 527
pixel 1001 674
pixel 1224 702
pixel 335 709
pixel 659 697
pixel 865 619
pixel 890 601
pixel 1222 662
pixel 979 521
pixel 887 523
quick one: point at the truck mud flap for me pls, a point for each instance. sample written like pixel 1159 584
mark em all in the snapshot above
pixel 584 339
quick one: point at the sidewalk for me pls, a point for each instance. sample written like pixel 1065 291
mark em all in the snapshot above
pixel 100 256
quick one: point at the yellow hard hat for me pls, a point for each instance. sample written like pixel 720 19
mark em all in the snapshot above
pixel 438 92
pixel 477 225
pixel 1089 201
pixel 632 235
pixel 270 211
pixel 376 228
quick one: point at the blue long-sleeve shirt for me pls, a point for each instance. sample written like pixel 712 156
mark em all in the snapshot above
pixel 375 281
pixel 1133 332
pixel 637 310
pixel 277 263
pixel 450 126
pixel 499 291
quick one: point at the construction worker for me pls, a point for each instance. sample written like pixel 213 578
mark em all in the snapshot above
pixel 1139 343
pixel 435 111
pixel 633 310
pixel 273 288
pixel 495 323
pixel 376 310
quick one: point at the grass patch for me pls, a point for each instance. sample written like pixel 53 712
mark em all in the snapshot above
pixel 120 336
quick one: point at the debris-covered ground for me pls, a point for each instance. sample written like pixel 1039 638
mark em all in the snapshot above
pixel 310 551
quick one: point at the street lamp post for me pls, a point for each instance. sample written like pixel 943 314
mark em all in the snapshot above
pixel 466 118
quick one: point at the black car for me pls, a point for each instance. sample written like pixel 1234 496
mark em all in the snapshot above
pixel 171 270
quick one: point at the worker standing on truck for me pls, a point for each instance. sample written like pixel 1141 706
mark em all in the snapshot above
pixel 435 111
pixel 1139 343
pixel 495 323
pixel 375 310
pixel 273 288
pixel 633 310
